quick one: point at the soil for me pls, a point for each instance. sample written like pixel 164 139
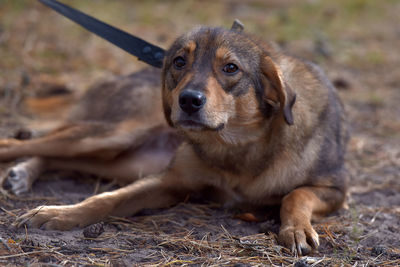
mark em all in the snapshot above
pixel 360 56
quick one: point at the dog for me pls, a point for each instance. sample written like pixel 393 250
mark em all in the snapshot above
pixel 235 114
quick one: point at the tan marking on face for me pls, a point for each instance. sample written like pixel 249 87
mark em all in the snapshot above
pixel 190 47
pixel 247 124
pixel 182 83
pixel 247 111
pixel 222 53
pixel 187 51
pixel 220 105
pixel 167 99
pixel 174 96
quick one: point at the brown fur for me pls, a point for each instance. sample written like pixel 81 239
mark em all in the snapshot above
pixel 271 133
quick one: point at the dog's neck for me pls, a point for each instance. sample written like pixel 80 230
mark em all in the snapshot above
pixel 253 153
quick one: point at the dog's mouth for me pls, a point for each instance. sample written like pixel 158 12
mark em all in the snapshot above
pixel 194 125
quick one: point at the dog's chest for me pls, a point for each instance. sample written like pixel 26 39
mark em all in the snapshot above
pixel 262 189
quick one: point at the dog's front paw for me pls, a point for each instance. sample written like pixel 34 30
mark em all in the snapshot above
pixel 52 218
pixel 299 237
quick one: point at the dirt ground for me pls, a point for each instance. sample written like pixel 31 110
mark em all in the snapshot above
pixel 357 44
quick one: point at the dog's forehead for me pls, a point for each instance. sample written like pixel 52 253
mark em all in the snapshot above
pixel 205 36
pixel 210 39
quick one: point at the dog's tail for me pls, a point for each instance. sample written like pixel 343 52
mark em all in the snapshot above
pixel 51 103
pixel 45 110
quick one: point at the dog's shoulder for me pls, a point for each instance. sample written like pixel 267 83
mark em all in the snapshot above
pixel 319 136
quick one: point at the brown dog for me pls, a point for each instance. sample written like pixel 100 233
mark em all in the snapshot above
pixel 259 126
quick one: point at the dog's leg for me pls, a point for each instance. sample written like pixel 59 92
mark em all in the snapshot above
pixel 9 142
pixel 151 192
pixel 87 139
pixel 19 178
pixel 124 170
pixel 63 142
pixel 146 156
pixel 297 210
pixel 157 191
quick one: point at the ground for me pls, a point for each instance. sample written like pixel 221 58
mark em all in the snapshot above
pixel 357 44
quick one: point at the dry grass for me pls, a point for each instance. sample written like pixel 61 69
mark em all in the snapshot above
pixel 185 236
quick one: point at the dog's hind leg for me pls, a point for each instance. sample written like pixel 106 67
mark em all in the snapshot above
pixel 123 170
pixel 97 140
pixel 149 154
pixel 19 178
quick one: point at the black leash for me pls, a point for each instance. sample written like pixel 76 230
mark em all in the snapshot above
pixel 145 51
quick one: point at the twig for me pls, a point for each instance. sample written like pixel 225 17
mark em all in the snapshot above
pixel 8 212
pixel 22 254
pixel 96 187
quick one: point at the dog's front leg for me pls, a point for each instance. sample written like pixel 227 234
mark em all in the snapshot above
pixel 151 192
pixel 297 210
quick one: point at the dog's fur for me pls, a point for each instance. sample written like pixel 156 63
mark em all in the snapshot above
pixel 269 133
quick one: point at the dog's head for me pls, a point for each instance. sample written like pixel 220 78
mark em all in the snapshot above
pixel 223 83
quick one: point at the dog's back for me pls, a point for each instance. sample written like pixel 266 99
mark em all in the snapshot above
pixel 123 98
pixel 134 96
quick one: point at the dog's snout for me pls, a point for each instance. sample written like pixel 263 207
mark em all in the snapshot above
pixel 191 101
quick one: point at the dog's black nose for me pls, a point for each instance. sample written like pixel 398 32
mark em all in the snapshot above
pixel 191 101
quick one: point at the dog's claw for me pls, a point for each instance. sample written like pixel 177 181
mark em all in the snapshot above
pixel 303 250
pixel 299 238
pixel 313 241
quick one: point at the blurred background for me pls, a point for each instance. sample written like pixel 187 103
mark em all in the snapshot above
pixel 348 37
pixel 357 43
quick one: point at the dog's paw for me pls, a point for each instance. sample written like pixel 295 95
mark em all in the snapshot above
pixel 18 179
pixel 52 218
pixel 299 237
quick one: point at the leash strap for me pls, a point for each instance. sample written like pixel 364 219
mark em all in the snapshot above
pixel 145 51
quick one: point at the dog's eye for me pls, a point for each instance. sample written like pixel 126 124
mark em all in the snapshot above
pixel 230 68
pixel 179 62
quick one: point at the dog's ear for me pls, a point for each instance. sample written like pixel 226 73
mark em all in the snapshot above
pixel 237 26
pixel 281 91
